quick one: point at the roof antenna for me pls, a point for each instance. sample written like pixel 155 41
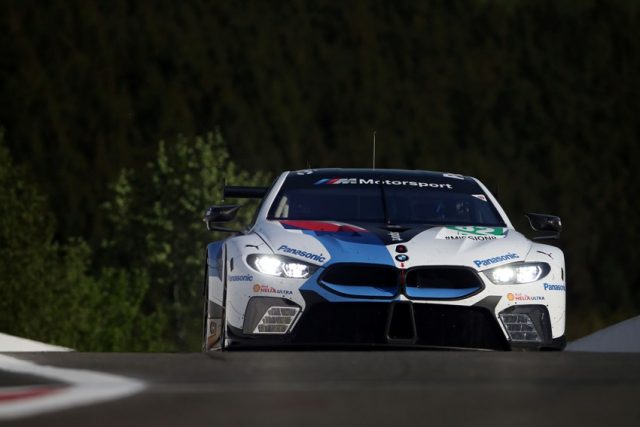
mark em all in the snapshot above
pixel 374 149
pixel 308 164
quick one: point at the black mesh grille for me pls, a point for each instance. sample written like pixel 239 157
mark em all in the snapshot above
pixel 443 278
pixel 360 275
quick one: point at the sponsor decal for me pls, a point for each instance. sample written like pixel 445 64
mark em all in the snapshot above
pixel 523 297
pixel 402 257
pixel 242 278
pixel 371 181
pixel 472 233
pixel 495 260
pixel 395 236
pixel 266 289
pixel 480 196
pixel 305 172
pixel 552 287
pixel 302 254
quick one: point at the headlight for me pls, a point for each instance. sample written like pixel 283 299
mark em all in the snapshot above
pixel 280 266
pixel 522 272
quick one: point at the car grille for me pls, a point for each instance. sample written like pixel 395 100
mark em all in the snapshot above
pixel 380 281
pixel 361 280
pixel 442 282
pixel 361 275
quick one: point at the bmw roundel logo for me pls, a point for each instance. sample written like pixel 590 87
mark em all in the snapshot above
pixel 402 257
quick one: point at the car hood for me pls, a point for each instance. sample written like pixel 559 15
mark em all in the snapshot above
pixel 324 243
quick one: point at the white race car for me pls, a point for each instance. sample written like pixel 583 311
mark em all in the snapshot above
pixel 344 257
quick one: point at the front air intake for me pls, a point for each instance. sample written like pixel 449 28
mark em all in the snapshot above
pixel 360 275
pixel 362 280
pixel 442 282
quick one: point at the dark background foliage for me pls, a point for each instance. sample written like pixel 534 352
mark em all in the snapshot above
pixel 539 99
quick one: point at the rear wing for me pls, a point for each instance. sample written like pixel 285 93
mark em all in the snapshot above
pixel 239 192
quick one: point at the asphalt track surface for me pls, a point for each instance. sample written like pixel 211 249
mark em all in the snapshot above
pixel 399 388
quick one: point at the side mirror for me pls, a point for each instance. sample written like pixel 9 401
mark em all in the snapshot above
pixel 218 214
pixel 545 223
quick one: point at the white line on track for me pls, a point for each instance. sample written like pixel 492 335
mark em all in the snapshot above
pixel 84 388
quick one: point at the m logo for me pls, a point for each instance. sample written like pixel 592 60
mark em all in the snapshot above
pixel 331 181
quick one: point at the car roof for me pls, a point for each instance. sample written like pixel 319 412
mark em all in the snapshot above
pixel 377 173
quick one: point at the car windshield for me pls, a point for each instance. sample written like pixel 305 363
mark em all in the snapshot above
pixel 408 200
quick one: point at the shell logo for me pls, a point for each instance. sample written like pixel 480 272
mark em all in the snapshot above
pixel 510 296
pixel 256 288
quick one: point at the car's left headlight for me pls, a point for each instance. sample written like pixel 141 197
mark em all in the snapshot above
pixel 516 273
pixel 280 266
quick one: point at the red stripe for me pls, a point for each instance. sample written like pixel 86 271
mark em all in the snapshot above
pixel 322 226
pixel 331 181
pixel 26 393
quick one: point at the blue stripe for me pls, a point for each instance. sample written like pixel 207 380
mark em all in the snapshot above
pixel 363 291
pixel 353 247
pixel 439 293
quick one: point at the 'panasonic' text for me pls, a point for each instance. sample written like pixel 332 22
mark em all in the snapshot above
pixel 551 287
pixel 302 254
pixel 495 260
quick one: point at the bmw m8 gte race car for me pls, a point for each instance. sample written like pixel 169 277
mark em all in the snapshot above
pixel 342 257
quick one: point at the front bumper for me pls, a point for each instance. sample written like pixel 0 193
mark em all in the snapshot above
pixel 394 324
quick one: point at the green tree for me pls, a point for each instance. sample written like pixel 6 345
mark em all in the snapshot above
pixel 156 225
pixel 539 99
pixel 47 292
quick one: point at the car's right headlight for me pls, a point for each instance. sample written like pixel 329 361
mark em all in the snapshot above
pixel 518 272
pixel 281 266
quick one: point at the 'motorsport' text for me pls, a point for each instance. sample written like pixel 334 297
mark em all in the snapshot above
pixel 302 254
pixel 495 260
pixel 364 181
